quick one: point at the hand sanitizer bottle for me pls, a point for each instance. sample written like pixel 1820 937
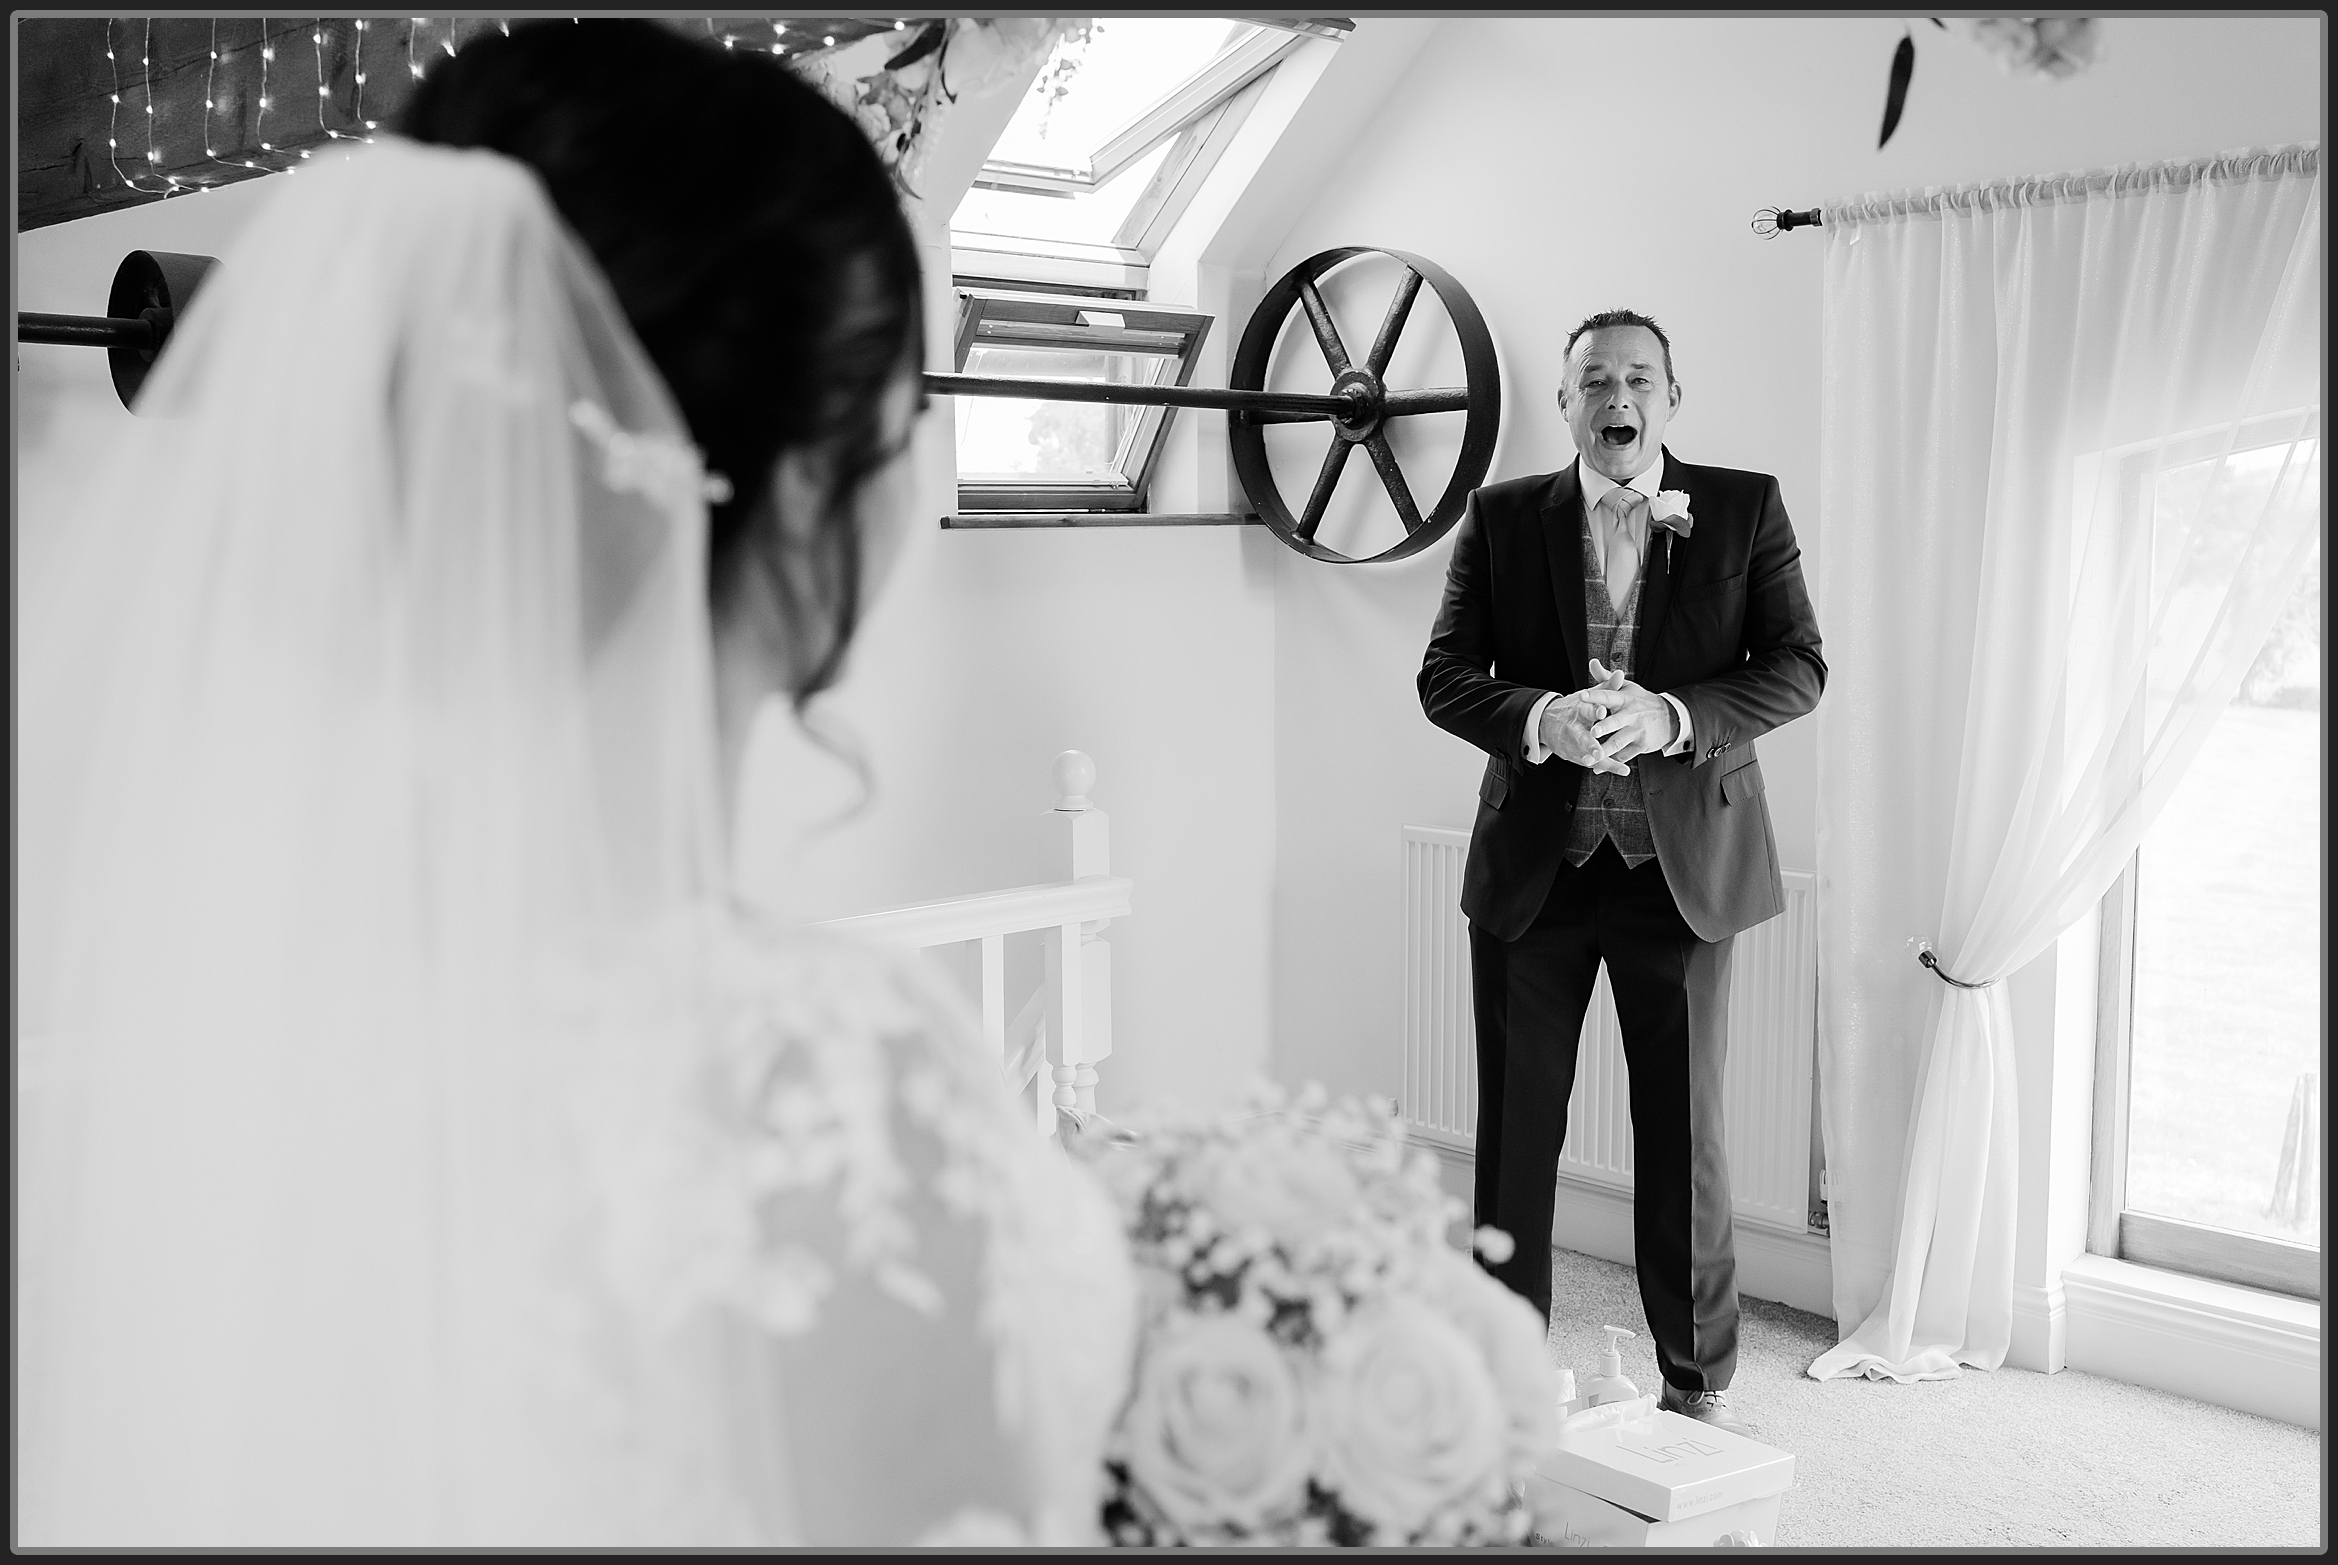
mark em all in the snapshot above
pixel 1609 1385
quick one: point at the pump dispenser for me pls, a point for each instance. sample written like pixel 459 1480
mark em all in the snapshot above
pixel 1609 1385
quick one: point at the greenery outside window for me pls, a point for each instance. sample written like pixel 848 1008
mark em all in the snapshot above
pixel 2207 1155
pixel 1028 454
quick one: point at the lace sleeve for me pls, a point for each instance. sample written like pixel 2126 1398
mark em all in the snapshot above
pixel 934 1304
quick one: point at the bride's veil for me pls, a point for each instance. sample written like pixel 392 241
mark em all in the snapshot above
pixel 369 708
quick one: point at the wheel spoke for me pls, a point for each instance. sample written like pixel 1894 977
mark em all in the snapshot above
pixel 1327 334
pixel 1326 480
pixel 1435 399
pixel 1392 479
pixel 1392 324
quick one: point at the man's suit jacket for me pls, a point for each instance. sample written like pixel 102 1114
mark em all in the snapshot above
pixel 1725 626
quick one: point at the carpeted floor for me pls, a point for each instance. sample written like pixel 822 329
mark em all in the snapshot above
pixel 2007 1459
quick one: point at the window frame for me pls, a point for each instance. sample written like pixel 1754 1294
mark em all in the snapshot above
pixel 1184 105
pixel 1060 319
pixel 2148 1238
pixel 1205 125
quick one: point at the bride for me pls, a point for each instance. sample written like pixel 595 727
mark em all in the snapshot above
pixel 418 1146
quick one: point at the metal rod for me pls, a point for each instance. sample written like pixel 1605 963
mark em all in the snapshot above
pixel 85 331
pixel 1298 404
pixel 1772 221
pixel 1432 399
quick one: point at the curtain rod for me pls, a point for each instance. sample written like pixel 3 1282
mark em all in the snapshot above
pixel 1772 221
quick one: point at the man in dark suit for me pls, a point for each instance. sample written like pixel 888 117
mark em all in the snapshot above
pixel 1615 636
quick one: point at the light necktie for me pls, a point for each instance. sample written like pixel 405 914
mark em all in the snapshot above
pixel 1623 546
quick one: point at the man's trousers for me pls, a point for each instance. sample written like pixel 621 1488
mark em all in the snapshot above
pixel 1672 998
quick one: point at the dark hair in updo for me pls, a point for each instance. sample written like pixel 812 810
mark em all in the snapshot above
pixel 759 249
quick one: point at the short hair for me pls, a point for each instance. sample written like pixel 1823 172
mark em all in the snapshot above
pixel 1625 318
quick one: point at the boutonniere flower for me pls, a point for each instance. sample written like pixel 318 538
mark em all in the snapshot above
pixel 1670 511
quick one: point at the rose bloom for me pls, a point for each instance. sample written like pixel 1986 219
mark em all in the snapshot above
pixel 1410 1416
pixel 1291 1190
pixel 1220 1431
pixel 1503 1328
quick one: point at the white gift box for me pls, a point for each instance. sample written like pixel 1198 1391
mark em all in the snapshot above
pixel 1574 1520
pixel 1665 1466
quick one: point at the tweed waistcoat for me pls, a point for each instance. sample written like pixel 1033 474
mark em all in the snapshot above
pixel 1609 807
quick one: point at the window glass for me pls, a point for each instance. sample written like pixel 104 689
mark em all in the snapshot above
pixel 2223 1095
pixel 1090 217
pixel 1093 88
pixel 1000 436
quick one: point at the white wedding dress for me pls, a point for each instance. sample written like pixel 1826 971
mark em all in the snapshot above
pixel 416 1146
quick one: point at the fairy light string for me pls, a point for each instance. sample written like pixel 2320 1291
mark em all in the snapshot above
pixel 317 39
pixel 417 45
pixel 114 116
pixel 358 109
pixel 211 102
pixel 260 121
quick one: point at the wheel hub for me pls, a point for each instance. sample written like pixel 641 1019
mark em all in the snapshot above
pixel 1366 399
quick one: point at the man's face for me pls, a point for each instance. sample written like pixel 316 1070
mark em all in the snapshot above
pixel 1617 399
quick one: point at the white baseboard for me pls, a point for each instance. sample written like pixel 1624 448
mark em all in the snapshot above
pixel 2041 1327
pixel 2211 1341
pixel 1790 1268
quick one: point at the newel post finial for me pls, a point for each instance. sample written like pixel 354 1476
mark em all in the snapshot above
pixel 1075 774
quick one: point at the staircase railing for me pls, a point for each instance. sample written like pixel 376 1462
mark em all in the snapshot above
pixel 1054 1043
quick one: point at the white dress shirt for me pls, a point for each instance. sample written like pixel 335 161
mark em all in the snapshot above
pixel 1595 487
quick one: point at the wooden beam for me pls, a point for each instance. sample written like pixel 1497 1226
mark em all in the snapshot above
pixel 208 127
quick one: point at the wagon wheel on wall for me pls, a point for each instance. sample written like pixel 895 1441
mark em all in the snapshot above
pixel 1370 404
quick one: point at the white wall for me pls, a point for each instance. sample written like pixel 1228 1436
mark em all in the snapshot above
pixel 65 410
pixel 993 650
pixel 1561 166
pixel 1152 650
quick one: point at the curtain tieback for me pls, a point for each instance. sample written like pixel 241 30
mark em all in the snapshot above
pixel 1924 955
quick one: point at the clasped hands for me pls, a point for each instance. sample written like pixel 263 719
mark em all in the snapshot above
pixel 1603 726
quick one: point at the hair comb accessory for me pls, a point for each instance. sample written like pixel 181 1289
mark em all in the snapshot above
pixel 660 468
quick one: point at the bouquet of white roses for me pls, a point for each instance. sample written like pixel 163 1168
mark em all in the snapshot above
pixel 1316 1364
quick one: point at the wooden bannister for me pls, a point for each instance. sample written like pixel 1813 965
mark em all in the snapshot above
pixel 1069 1016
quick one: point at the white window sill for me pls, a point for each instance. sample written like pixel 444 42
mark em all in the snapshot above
pixel 2211 1341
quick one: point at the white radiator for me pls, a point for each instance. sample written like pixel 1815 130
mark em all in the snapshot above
pixel 1772 1036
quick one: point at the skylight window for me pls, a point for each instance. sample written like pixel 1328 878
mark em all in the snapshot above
pixel 1111 118
pixel 1125 66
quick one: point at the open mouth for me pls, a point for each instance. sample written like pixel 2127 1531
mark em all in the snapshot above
pixel 1617 436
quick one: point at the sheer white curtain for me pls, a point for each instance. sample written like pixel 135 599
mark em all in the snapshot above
pixel 2070 473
